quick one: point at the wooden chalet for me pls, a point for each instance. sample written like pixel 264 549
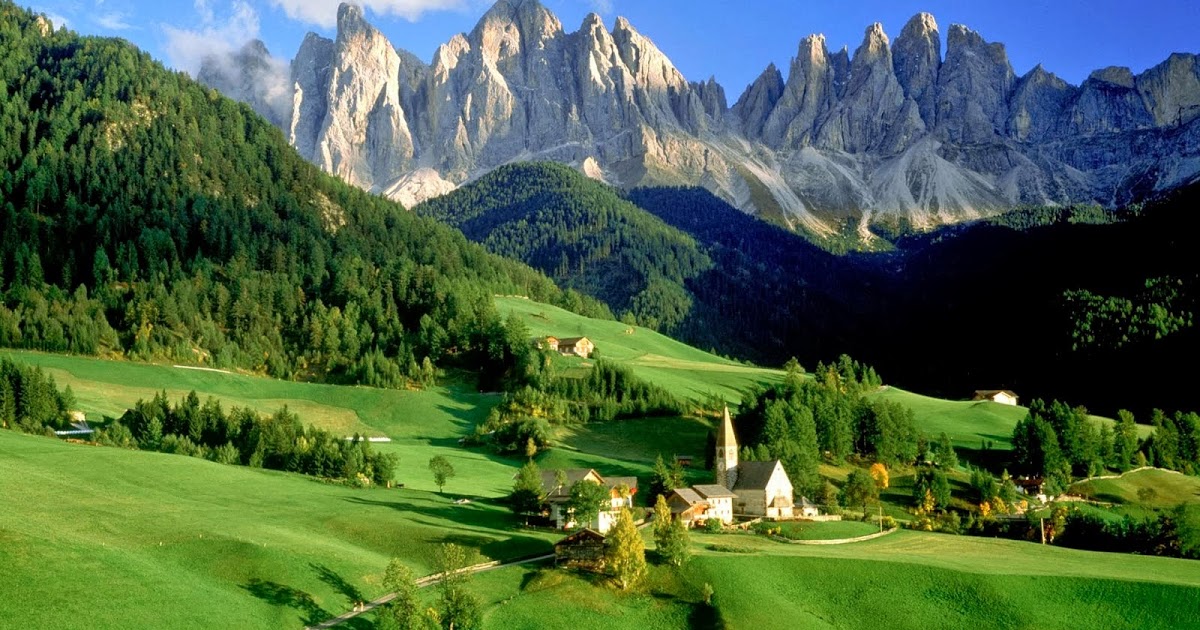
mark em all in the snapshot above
pixel 585 549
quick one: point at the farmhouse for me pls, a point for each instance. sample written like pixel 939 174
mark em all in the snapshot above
pixel 568 346
pixel 621 491
pixel 576 346
pixel 1002 396
pixel 582 550
pixel 688 506
pixel 761 489
pixel 720 501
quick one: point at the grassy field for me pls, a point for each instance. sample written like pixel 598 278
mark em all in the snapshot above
pixel 1167 488
pixel 688 372
pixel 835 530
pixel 131 539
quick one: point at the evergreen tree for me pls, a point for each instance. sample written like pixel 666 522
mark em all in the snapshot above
pixel 674 544
pixel 626 553
pixel 860 490
pixel 527 494
pixel 946 457
pixel 932 482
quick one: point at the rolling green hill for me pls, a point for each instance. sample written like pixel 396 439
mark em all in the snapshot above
pixel 1153 488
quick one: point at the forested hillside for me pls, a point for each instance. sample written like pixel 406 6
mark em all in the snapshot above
pixel 148 216
pixel 583 234
pixel 1078 304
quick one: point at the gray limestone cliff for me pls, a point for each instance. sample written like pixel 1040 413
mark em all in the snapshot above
pixel 894 131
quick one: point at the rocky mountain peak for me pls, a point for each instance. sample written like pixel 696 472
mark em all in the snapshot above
pixel 917 57
pixel 1119 76
pixel 893 129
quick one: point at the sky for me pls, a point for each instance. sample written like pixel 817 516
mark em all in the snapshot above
pixel 733 40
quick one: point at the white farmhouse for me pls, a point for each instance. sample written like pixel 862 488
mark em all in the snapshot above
pixel 1001 396
pixel 621 491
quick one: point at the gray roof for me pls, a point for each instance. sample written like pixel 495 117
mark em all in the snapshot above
pixel 754 475
pixel 804 502
pixel 714 491
pixel 689 496
pixel 550 485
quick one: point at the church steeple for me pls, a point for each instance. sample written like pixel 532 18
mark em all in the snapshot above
pixel 727 453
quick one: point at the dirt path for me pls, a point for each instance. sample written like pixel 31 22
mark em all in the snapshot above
pixel 422 583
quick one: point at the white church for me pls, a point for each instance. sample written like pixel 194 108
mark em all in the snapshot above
pixel 762 488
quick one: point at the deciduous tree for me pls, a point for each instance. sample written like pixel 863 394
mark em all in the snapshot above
pixel 442 471
pixel 626 553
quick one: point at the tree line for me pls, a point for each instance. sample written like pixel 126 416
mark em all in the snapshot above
pixel 1057 442
pixel 244 437
pixel 802 421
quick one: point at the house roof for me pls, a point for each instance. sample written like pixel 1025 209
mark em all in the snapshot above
pixel 714 491
pixel 804 503
pixel 583 536
pixel 688 495
pixel 571 341
pixel 992 393
pixel 574 475
pixel 726 437
pixel 754 475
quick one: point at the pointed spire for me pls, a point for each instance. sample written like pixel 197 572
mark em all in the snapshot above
pixel 726 438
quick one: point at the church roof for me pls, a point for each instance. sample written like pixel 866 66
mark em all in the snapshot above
pixel 755 475
pixel 688 495
pixel 726 437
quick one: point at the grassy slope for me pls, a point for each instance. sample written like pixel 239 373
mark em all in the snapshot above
pixel 132 539
pixel 1170 489
pixel 688 372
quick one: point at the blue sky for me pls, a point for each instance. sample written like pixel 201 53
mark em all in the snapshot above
pixel 733 40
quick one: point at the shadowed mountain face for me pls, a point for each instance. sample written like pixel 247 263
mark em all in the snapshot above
pixel 899 132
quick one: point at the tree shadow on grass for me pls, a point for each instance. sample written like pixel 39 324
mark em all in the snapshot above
pixel 285 596
pixel 328 576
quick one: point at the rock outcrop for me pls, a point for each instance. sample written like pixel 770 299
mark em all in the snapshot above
pixel 892 132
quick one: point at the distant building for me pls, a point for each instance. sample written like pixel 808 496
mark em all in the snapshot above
pixel 761 489
pixel 688 506
pixel 582 550
pixel 621 492
pixel 684 461
pixel 720 501
pixel 550 343
pixel 1002 396
pixel 807 509
pixel 576 346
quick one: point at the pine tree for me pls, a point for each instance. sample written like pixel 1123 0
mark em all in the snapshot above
pixel 626 553
pixel 527 492
pixel 1124 441
pixel 8 405
pixel 674 544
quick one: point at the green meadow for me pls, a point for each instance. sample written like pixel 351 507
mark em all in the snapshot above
pixel 132 539
pixel 1152 488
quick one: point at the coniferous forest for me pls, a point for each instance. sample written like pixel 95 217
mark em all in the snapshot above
pixel 147 216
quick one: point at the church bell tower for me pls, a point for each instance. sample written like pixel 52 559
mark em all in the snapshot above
pixel 727 453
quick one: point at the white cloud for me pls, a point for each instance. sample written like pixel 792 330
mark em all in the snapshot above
pixel 324 12
pixel 113 22
pixel 603 7
pixel 217 34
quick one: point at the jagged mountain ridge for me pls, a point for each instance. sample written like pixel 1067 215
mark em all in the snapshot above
pixel 896 130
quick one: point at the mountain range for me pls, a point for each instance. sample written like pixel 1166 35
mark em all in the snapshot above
pixel 896 133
